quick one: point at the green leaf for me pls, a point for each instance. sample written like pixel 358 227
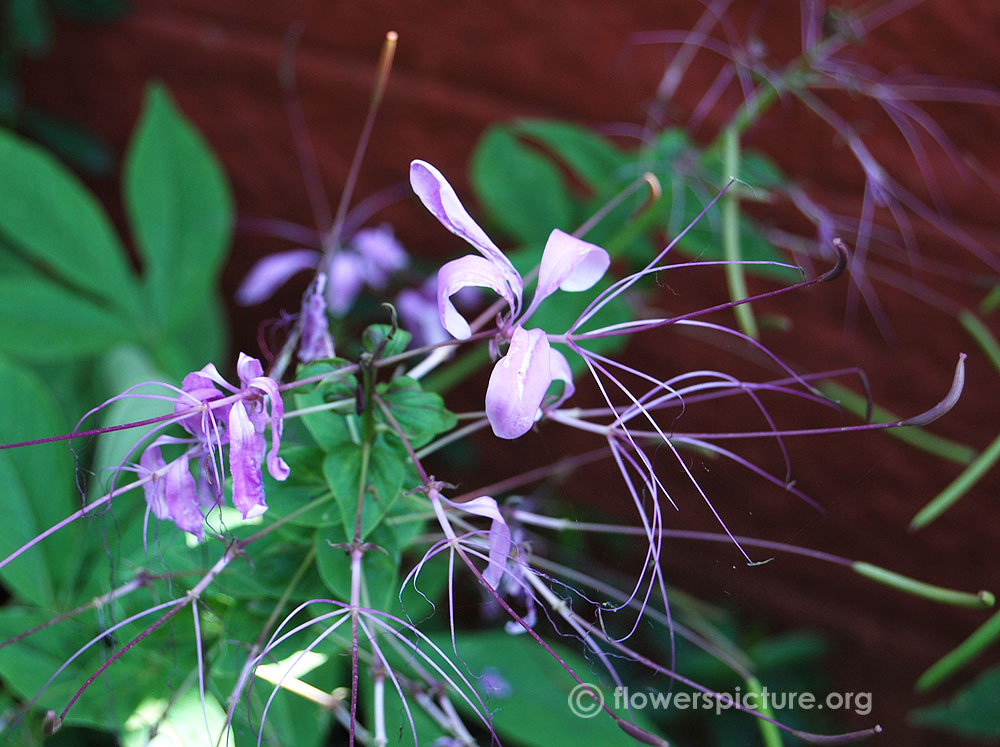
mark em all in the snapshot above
pixel 28 26
pixel 385 472
pixel 305 483
pixel 379 566
pixel 180 210
pixel 183 720
pixel 36 488
pixel 375 334
pixel 120 368
pixel 51 217
pixel 521 189
pixel 44 321
pixel 972 712
pixel 531 706
pixel 591 157
pixel 26 666
pixel 702 242
pixel 421 415
pixel 329 427
pixel 271 562
pixel 197 341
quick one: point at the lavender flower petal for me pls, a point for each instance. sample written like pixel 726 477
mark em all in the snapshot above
pixel 499 535
pixel 346 277
pixel 439 197
pixel 181 497
pixel 275 464
pixel 464 272
pixel 518 384
pixel 246 453
pixel 382 254
pixel 152 461
pixel 316 342
pixel 560 370
pixel 248 369
pixel 420 317
pixel 570 264
pixel 272 272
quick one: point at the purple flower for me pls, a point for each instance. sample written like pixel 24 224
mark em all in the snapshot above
pixel 520 379
pixel 368 259
pixel 172 492
pixel 316 342
pixel 418 313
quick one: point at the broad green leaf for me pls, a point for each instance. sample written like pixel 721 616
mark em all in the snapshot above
pixel 119 369
pixel 329 427
pixel 973 712
pixel 702 241
pixel 421 415
pixel 305 484
pixel 271 563
pixel 186 719
pixel 519 187
pixel 109 700
pixel 199 340
pixel 594 159
pixel 530 693
pixel 385 472
pixel 122 529
pixel 180 210
pixel 36 487
pixel 292 721
pixel 44 321
pixel 52 218
pixel 379 566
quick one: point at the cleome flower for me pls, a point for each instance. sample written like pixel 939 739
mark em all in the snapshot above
pixel 522 377
pixel 239 419
pixel 370 257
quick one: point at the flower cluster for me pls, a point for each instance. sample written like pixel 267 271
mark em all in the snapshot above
pixel 522 377
pixel 239 419
pixel 369 259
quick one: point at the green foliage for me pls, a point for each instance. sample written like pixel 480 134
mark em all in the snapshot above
pixel 522 192
pixel 517 174
pixel 74 293
pixel 531 704
pixel 180 211
pixel 28 410
pixel 973 712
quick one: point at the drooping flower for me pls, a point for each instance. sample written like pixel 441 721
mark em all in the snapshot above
pixel 522 377
pixel 172 493
pixel 315 342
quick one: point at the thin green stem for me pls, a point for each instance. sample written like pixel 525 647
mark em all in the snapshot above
pixel 979 600
pixel 735 277
pixel 959 486
pixel 982 638
pixel 982 335
pixel 769 732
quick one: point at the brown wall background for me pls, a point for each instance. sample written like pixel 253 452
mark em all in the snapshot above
pixel 463 65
